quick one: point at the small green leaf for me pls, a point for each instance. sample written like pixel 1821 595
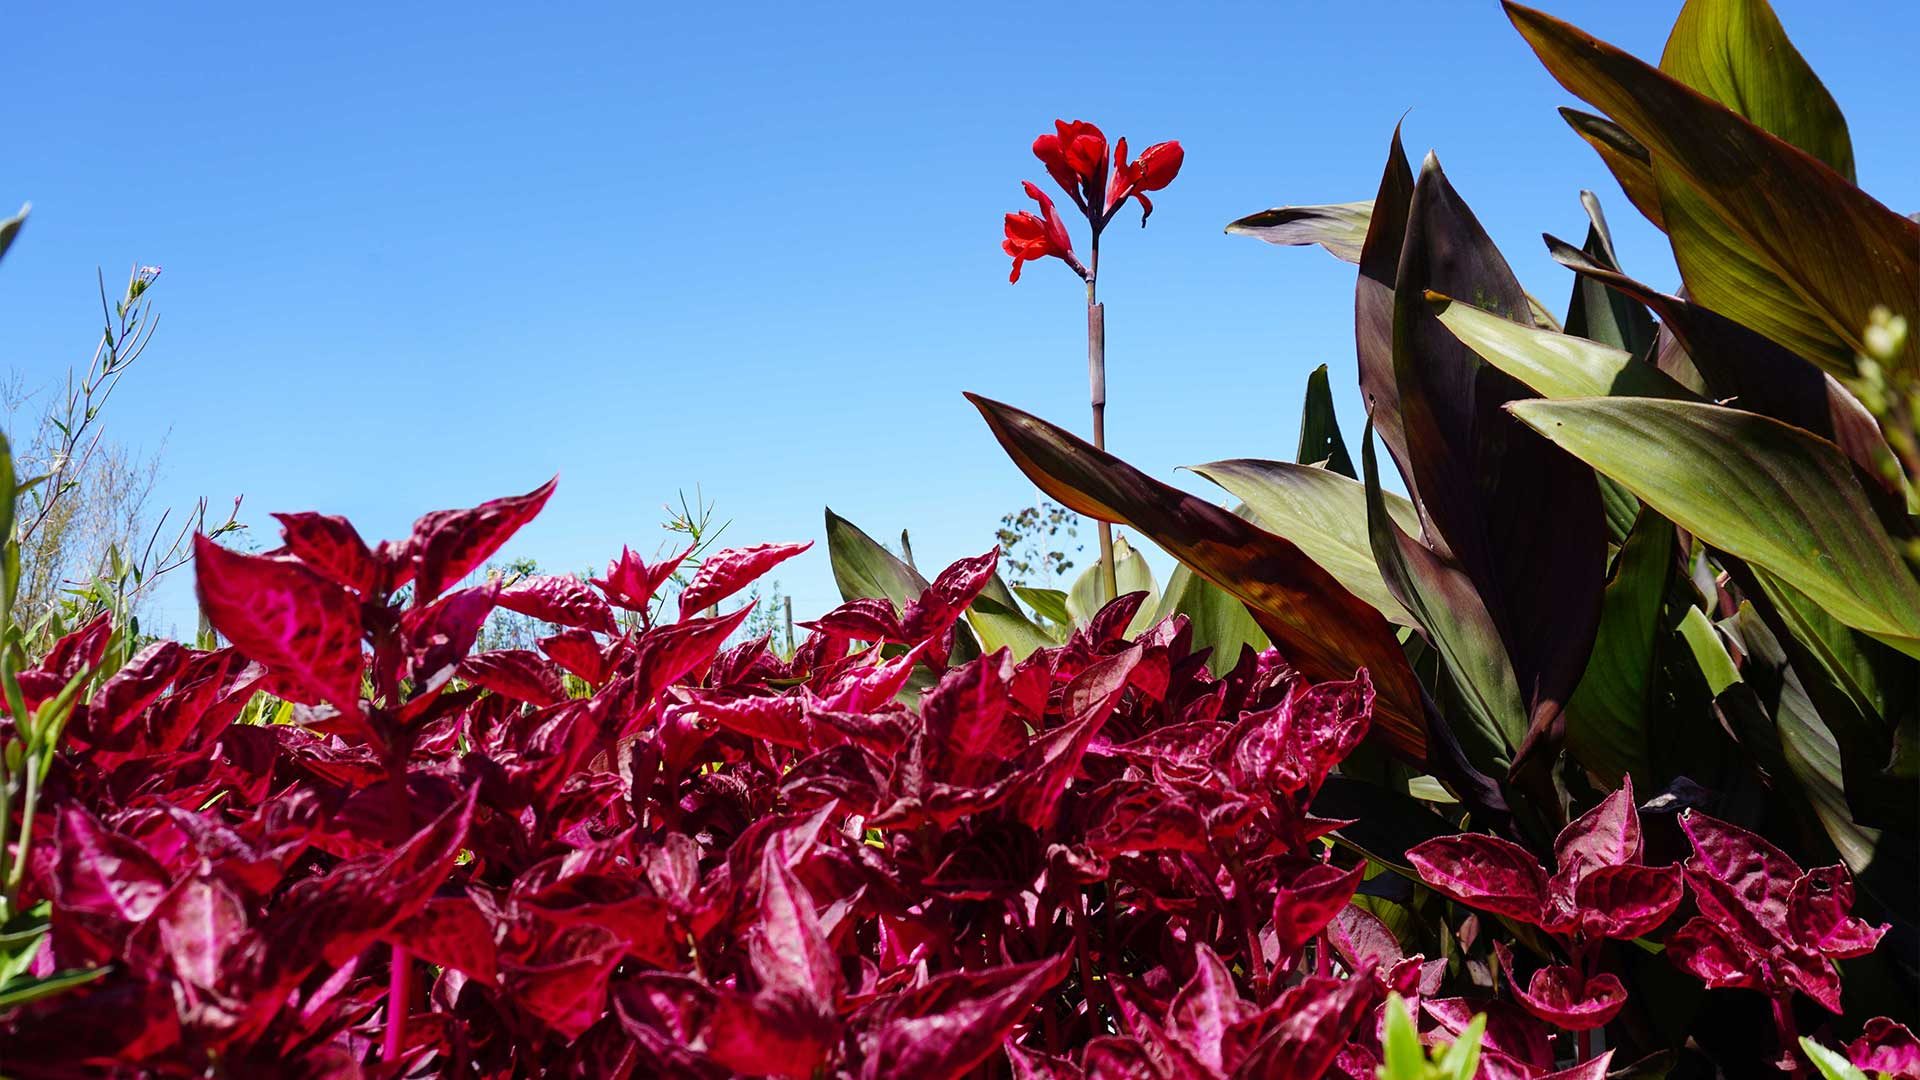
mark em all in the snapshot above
pixel 1831 1063
pixel 1131 573
pixel 1049 604
pixel 18 992
pixel 1320 439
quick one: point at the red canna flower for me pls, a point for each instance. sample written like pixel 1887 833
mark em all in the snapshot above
pixel 1031 238
pixel 1154 169
pixel 1076 157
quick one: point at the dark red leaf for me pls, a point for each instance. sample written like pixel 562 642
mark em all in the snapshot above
pixel 302 626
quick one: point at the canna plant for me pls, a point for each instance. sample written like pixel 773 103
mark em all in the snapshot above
pixel 1663 543
pixel 1075 155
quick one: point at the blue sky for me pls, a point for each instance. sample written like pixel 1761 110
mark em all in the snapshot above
pixel 418 258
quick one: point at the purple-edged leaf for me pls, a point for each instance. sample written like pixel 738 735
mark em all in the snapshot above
pixel 1511 510
pixel 1325 631
pixel 1373 302
pixel 1303 906
pixel 302 626
pixel 630 582
pixel 447 545
pixel 1053 759
pixel 559 599
pixel 956 1021
pixel 1815 253
pixel 779 720
pixel 1485 872
pixel 1341 228
pixel 727 572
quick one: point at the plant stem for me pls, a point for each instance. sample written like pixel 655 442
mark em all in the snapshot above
pixel 1097 395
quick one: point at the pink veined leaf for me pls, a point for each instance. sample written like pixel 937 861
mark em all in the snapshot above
pixel 1359 936
pixel 941 604
pixel 565 985
pixel 956 1021
pixel 104 884
pixel 1886 1047
pixel 863 689
pixel 1484 872
pixel 1148 819
pixel 1627 902
pixel 970 733
pixel 667 654
pixel 521 674
pixel 631 583
pixel 779 720
pixel 330 919
pixel 558 599
pixel 1206 1007
pixel 1300 1034
pixel 77 651
pixel 438 637
pixel 197 933
pixel 1709 954
pixel 1558 995
pixel 865 618
pixel 770 1034
pixel 1294 745
pixel 579 652
pixel 1818 914
pixel 788 947
pixel 727 572
pixel 1034 1065
pixel 1607 835
pixel 1511 1032
pixel 447 545
pixel 302 626
pixel 127 693
pixel 1086 705
pixel 330 546
pixel 451 931
pixel 1305 905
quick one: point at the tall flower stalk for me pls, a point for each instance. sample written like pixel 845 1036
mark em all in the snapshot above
pixel 1075 155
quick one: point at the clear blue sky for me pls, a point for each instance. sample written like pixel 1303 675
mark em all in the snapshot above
pixel 418 258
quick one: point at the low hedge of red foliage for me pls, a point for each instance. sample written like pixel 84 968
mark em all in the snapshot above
pixel 642 850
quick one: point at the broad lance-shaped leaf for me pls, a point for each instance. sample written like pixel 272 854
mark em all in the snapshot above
pixel 1450 610
pixel 1738 365
pixel 1131 574
pixel 1553 365
pixel 1341 228
pixel 1374 305
pixel 447 545
pixel 1737 53
pixel 863 568
pixel 1508 510
pixel 1754 487
pixel 1323 629
pixel 1608 717
pixel 1320 439
pixel 1322 512
pixel 1818 254
pixel 1219 621
pixel 727 572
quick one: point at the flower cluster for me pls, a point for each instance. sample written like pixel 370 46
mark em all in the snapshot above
pixel 1075 155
